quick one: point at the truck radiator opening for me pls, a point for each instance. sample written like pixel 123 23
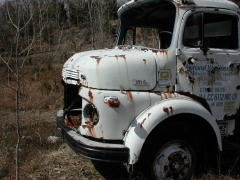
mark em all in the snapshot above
pixel 70 96
pixel 72 105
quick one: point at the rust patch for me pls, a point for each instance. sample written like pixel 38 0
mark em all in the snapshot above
pixel 68 123
pixel 129 96
pixel 165 95
pixel 142 122
pixel 169 95
pixel 98 59
pixel 90 96
pixel 90 129
pixel 166 110
pixel 162 52
pixel 144 61
pixel 73 122
pixel 155 51
pixel 149 114
pixel 121 56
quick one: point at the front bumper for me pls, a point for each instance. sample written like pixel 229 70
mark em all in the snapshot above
pixel 89 148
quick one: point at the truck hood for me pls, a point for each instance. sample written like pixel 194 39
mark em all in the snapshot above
pixel 113 69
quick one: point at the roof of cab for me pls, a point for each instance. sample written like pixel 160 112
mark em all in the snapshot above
pixel 224 4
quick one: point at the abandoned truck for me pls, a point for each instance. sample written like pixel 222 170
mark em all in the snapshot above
pixel 166 98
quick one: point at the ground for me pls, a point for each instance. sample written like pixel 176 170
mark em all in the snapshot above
pixel 51 160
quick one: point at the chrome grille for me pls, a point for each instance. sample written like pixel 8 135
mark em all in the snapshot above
pixel 68 73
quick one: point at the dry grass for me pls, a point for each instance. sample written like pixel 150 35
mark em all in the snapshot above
pixel 43 92
pixel 35 128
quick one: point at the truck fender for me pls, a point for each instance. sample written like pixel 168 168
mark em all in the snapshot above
pixel 155 114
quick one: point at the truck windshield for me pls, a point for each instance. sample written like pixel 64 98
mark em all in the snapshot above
pixel 149 25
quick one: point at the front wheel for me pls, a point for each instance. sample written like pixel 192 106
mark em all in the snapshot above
pixel 173 160
pixel 173 150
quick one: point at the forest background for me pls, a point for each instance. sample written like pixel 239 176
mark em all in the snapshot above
pixel 36 38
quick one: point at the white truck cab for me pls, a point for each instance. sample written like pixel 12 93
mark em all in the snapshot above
pixel 166 97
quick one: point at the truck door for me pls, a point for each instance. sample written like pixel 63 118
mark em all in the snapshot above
pixel 208 60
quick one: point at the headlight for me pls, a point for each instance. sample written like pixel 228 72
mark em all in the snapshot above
pixel 90 114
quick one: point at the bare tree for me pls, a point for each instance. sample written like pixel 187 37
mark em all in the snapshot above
pixel 15 19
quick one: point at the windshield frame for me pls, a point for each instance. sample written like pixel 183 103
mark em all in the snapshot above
pixel 159 15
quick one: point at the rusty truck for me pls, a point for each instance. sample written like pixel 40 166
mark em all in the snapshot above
pixel 166 98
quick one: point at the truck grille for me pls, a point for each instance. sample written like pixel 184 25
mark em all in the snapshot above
pixel 69 73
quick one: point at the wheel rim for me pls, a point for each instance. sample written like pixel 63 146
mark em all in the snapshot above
pixel 173 161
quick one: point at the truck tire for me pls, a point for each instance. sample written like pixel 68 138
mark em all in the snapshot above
pixel 173 151
pixel 174 160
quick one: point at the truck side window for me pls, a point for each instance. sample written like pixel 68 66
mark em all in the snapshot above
pixel 211 30
pixel 192 36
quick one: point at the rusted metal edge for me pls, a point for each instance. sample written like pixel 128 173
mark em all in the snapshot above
pixel 96 153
